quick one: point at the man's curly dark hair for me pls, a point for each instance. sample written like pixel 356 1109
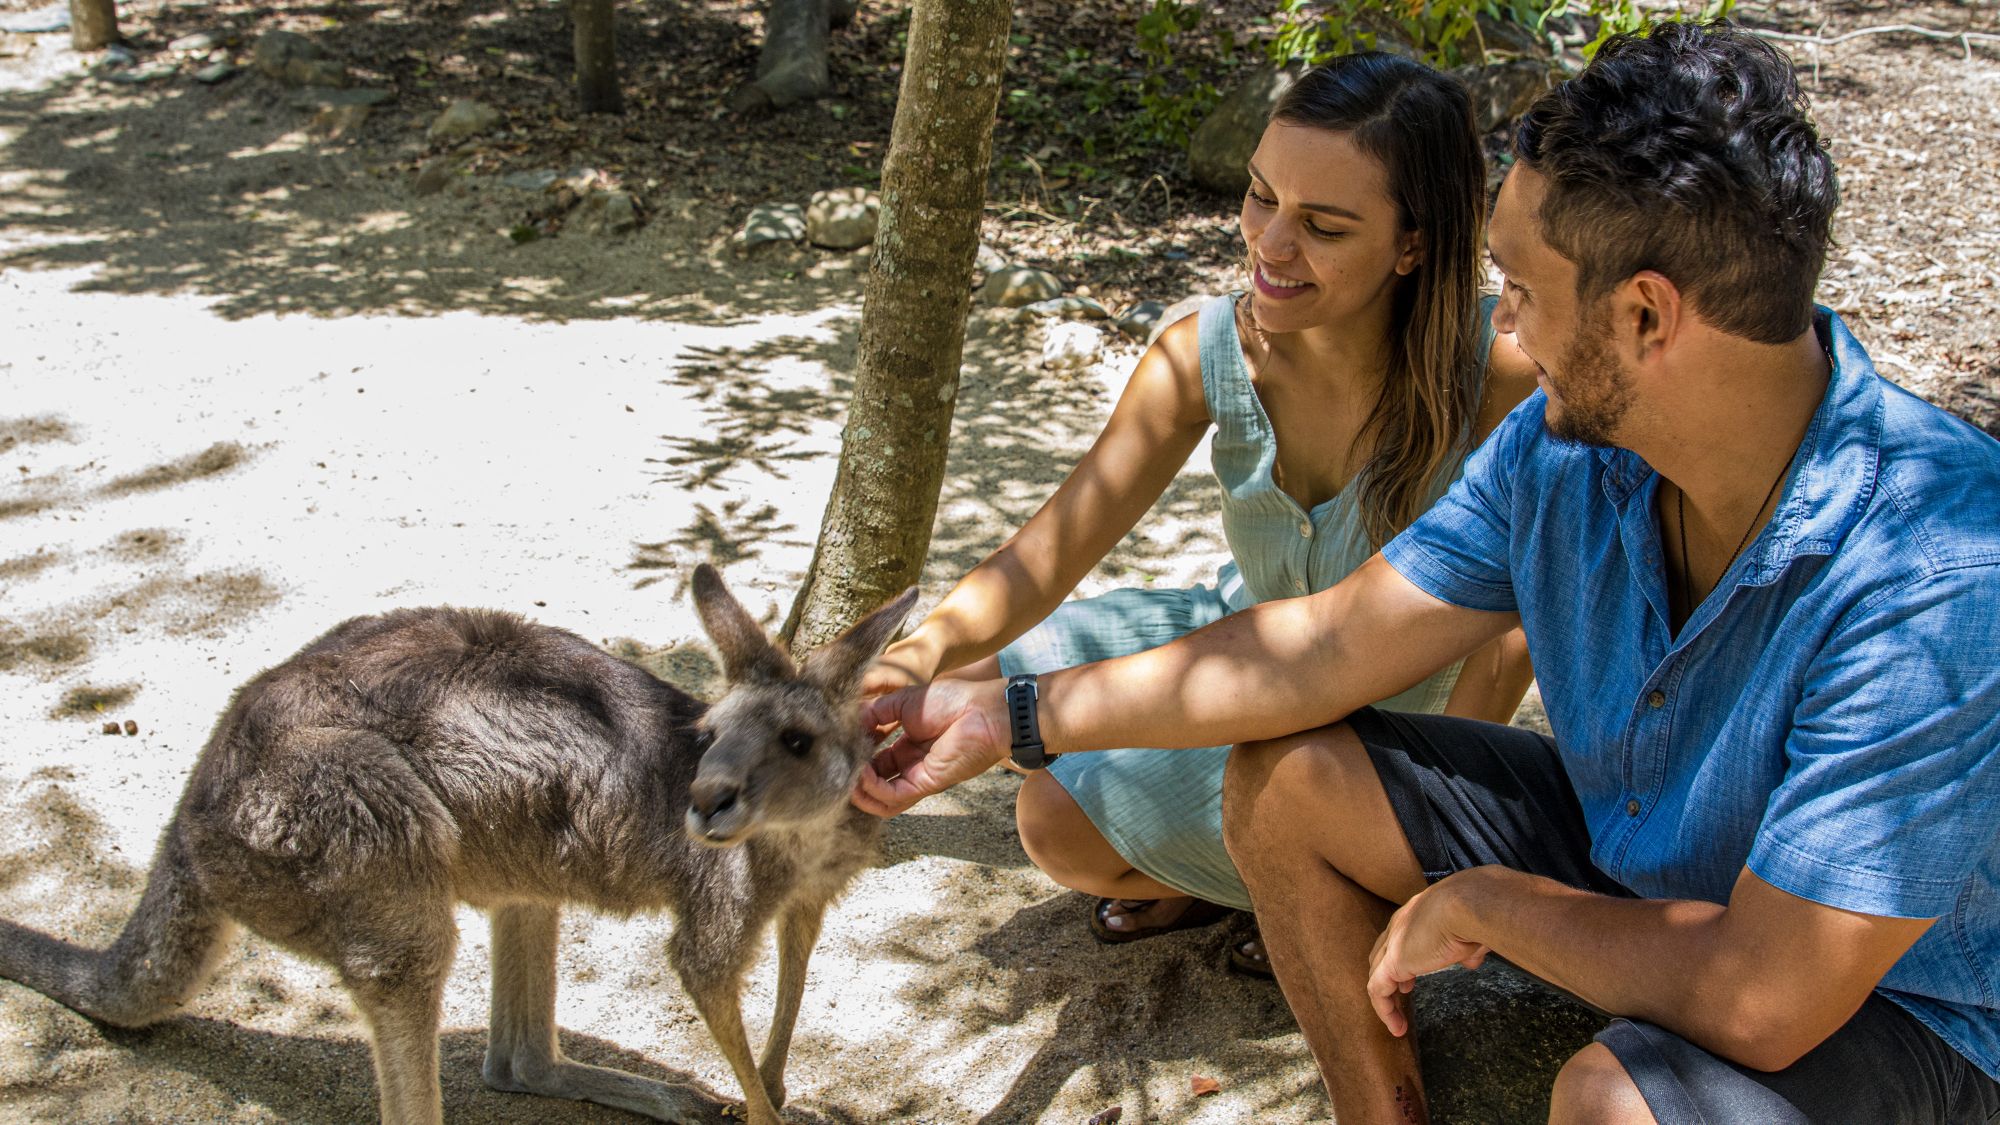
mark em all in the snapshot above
pixel 1689 151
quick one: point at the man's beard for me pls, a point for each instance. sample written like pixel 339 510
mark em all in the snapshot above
pixel 1594 393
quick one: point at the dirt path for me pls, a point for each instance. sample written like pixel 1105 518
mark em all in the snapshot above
pixel 251 385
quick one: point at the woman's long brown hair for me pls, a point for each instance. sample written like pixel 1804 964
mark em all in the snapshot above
pixel 1419 124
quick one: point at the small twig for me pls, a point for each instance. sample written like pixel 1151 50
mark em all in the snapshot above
pixel 1965 39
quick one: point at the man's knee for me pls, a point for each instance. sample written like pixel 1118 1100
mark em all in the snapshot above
pixel 1593 1089
pixel 1268 784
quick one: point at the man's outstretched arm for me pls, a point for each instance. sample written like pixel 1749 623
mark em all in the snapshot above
pixel 1269 670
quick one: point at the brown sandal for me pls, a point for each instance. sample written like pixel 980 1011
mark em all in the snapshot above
pixel 1247 956
pixel 1199 912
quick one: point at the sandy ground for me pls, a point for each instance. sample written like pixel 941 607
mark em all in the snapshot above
pixel 250 386
pixel 211 457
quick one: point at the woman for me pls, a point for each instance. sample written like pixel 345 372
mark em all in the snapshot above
pixel 1345 391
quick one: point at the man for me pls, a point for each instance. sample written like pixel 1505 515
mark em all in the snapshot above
pixel 1761 586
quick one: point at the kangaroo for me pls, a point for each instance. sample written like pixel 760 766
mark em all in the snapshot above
pixel 402 763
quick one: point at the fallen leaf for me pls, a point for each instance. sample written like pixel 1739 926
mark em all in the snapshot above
pixel 1201 1085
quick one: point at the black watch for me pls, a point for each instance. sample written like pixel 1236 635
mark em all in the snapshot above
pixel 1023 719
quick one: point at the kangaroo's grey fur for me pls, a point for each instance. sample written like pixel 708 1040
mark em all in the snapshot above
pixel 402 763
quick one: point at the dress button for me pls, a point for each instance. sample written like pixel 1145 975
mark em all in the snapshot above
pixel 1306 529
pixel 1632 807
pixel 1299 584
pixel 1657 700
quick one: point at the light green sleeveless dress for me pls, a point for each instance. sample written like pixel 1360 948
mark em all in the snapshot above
pixel 1162 809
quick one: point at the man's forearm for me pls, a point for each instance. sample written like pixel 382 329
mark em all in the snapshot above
pixel 1251 675
pixel 1685 965
pixel 1270 670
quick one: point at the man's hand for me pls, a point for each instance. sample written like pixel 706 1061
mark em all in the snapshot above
pixel 1420 938
pixel 952 730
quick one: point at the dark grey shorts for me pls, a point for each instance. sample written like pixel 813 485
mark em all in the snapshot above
pixel 1469 793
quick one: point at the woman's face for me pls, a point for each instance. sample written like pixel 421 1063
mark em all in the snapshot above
pixel 1325 242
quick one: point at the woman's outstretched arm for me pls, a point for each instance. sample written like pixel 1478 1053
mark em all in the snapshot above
pixel 1158 421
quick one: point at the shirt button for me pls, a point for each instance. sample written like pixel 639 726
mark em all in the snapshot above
pixel 1657 700
pixel 1299 584
pixel 1306 529
pixel 1632 807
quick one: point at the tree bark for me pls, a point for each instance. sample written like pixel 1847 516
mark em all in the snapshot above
pixel 93 24
pixel 596 57
pixel 877 529
pixel 791 67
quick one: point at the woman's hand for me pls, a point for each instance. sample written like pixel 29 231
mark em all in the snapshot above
pixel 900 667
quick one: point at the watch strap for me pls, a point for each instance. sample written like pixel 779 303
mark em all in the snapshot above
pixel 1024 722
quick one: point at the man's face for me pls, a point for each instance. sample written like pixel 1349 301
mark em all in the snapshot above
pixel 1578 369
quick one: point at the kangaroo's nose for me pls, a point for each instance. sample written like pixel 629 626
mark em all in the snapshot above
pixel 714 796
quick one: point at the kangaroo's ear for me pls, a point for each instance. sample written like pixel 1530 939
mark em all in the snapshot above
pixel 838 664
pixel 747 652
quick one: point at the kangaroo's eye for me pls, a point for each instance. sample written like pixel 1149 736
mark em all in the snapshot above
pixel 796 741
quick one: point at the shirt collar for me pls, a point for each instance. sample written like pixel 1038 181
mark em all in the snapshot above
pixel 1838 458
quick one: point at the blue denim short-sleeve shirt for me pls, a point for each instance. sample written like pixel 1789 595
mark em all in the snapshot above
pixel 1830 715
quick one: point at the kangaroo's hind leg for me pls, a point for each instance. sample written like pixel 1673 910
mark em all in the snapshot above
pixel 394 958
pixel 522 1054
pixel 798 932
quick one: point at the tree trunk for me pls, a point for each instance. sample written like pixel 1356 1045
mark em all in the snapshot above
pixel 877 528
pixel 596 57
pixel 791 67
pixel 93 24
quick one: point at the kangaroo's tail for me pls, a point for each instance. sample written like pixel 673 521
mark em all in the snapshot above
pixel 168 949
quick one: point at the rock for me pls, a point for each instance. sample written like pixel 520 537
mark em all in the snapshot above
pixel 1137 322
pixel 201 42
pixel 988 262
pixel 1491 1041
pixel 842 219
pixel 1068 308
pixel 1178 311
pixel 770 223
pixel 1219 151
pixel 530 181
pixel 606 212
pixel 136 75
pixel 1503 91
pixel 462 119
pixel 315 72
pixel 1011 288
pixel 433 177
pixel 41 21
pixel 336 122
pixel 118 54
pixel 296 61
pixel 216 72
pixel 323 97
pixel 1070 346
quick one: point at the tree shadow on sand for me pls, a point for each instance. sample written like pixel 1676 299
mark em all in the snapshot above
pixel 178 187
pixel 1017 430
